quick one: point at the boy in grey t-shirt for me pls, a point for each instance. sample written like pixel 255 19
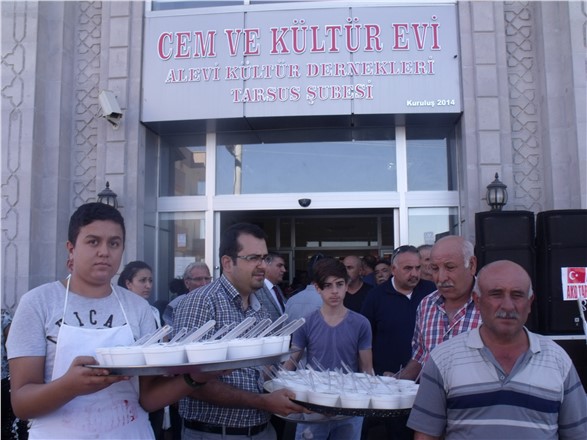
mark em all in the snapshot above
pixel 58 326
pixel 333 335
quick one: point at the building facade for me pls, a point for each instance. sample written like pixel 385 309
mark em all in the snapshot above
pixel 340 127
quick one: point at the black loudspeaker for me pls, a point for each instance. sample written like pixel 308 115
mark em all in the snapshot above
pixel 561 241
pixel 508 235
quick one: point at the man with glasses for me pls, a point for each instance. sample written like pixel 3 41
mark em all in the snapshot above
pixel 233 406
pixel 195 275
pixel 449 310
pixel 391 309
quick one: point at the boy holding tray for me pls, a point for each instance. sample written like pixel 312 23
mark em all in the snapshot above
pixel 57 328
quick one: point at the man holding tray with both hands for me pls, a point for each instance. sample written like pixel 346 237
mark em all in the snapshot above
pixel 58 326
pixel 234 406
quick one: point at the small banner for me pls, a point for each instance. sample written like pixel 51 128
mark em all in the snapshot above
pixel 574 283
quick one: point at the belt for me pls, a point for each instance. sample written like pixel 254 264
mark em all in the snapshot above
pixel 215 429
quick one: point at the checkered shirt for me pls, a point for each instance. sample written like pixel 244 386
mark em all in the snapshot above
pixel 433 325
pixel 220 301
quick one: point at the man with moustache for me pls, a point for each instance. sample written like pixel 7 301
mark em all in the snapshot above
pixel 391 310
pixel 500 380
pixel 233 406
pixel 449 310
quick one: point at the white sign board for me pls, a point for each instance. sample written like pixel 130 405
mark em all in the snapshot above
pixel 330 60
pixel 574 283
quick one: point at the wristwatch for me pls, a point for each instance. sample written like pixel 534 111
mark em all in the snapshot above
pixel 191 382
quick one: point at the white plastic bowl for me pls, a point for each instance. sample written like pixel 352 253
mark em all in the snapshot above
pixel 355 400
pixel 286 343
pixel 245 348
pixel 324 398
pixel 272 345
pixel 385 401
pixel 164 354
pixel 301 393
pixel 404 383
pixel 207 351
pixel 300 390
pixel 406 399
pixel 103 356
pixel 127 356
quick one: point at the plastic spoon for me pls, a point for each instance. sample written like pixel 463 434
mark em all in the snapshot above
pixel 179 335
pixel 258 328
pixel 142 340
pixel 241 328
pixel 273 326
pixel 291 327
pixel 199 333
pixel 166 329
pixel 220 332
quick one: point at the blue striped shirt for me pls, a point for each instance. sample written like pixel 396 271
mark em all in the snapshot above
pixel 465 394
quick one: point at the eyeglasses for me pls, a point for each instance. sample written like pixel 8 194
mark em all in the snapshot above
pixel 199 279
pixel 403 249
pixel 255 258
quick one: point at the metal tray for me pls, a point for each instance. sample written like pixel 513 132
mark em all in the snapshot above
pixel 331 413
pixel 158 370
pixel 352 412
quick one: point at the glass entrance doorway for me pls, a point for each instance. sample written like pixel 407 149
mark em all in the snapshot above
pixel 300 234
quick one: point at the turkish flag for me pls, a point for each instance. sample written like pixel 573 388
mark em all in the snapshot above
pixel 575 275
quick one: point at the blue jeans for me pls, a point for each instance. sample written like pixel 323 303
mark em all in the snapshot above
pixel 347 429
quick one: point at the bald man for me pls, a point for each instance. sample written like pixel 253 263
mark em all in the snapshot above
pixel 500 380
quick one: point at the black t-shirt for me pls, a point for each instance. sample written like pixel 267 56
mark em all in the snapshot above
pixel 354 302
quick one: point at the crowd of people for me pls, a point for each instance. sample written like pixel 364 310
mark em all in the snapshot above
pixel 424 315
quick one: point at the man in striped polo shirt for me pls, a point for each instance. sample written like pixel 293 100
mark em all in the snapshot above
pixel 500 380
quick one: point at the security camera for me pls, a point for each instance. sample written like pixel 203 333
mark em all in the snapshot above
pixel 304 203
pixel 110 107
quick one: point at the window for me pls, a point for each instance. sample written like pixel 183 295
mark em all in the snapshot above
pixel 181 242
pixel 183 166
pixel 342 166
pixel 426 225
pixel 431 160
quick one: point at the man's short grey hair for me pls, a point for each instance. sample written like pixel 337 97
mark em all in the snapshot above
pixel 468 252
pixel 188 269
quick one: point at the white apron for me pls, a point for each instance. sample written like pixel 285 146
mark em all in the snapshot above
pixel 112 413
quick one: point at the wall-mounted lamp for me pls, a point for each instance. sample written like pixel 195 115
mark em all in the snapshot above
pixel 497 195
pixel 110 107
pixel 108 197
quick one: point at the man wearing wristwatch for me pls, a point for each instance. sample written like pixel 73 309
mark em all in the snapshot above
pixel 234 404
